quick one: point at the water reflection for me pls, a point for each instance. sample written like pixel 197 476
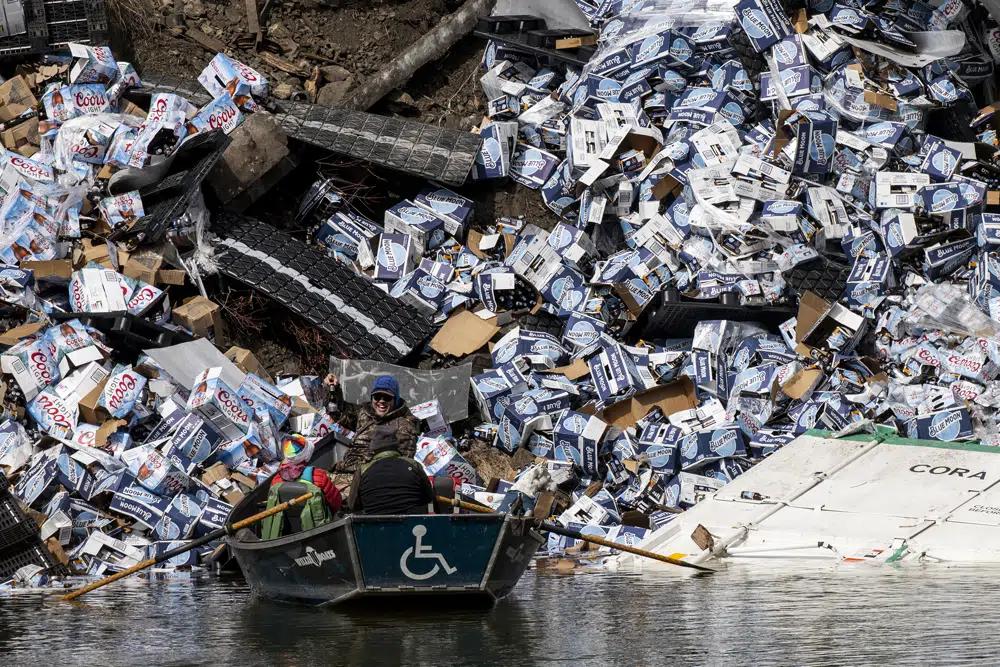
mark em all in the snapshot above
pixel 839 615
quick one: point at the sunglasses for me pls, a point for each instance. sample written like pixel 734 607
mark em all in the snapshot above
pixel 383 398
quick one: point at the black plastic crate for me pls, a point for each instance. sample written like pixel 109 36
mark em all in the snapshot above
pixel 35 40
pixel 821 276
pixel 168 199
pixel 674 316
pixel 128 331
pixel 510 23
pixel 15 525
pixel 525 35
pixel 547 39
pixel 81 21
pixel 33 553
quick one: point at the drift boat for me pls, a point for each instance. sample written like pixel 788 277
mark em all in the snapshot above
pixel 470 558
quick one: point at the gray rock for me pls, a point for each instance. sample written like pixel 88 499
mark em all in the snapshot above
pixel 277 31
pixel 194 9
pixel 257 145
pixel 334 93
pixel 335 73
pixel 283 91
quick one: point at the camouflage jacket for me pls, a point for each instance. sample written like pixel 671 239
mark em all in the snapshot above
pixel 407 431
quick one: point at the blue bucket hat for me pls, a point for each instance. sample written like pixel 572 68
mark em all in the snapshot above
pixel 389 385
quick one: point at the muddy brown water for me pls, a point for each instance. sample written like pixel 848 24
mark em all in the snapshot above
pixel 837 615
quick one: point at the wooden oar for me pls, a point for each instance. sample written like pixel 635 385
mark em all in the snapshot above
pixel 167 555
pixel 559 530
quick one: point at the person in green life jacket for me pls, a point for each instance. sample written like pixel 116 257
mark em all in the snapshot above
pixel 318 510
pixel 390 483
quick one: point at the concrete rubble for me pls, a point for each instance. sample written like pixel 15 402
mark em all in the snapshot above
pixel 771 219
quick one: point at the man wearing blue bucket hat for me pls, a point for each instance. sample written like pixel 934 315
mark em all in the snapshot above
pixel 385 407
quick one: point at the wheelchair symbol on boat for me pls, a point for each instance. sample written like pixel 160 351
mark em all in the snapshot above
pixel 421 551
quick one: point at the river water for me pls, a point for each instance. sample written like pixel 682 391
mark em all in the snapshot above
pixel 837 615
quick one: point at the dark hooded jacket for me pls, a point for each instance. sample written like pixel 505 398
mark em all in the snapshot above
pixel 390 483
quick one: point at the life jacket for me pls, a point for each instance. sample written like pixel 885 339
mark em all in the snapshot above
pixel 314 513
pixel 388 454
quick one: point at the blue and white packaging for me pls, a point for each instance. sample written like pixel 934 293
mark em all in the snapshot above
pixel 581 434
pixel 613 372
pixel 940 161
pixel 869 281
pixel 660 444
pixel 689 489
pixel 532 167
pixel 491 387
pixel 179 518
pixel 781 214
pixel 946 425
pixel 942 198
pixel 140 504
pixel 494 156
pixel 395 256
pixel 453 208
pixel 571 243
pixel 419 223
pixel 192 443
pixel 520 418
pixel 814 150
pixel 707 446
pixel 764 22
pixel 583 331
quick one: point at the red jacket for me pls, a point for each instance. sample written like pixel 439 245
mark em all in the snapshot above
pixel 320 478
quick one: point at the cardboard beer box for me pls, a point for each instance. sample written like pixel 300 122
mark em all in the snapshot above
pixel 72 474
pixel 154 471
pixel 532 167
pixel 581 434
pixel 54 416
pixel 946 425
pixel 614 373
pixel 586 511
pixel 453 208
pixel 121 391
pixel 214 514
pixel 431 413
pixel 521 417
pixel 115 553
pixel 15 446
pixel 92 64
pixel 179 519
pixel 767 441
pixel 440 459
pixel 202 317
pixel 396 256
pixel 218 404
pixel 139 504
pixel 660 443
pixel 414 221
pixel 186 559
pixel 688 489
pixel 489 387
pixel 33 365
pixel 707 446
pixel 540 348
pixel 192 442
pixel 256 391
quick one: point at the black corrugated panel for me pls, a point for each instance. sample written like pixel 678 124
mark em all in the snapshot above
pixel 423 150
pixel 364 320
